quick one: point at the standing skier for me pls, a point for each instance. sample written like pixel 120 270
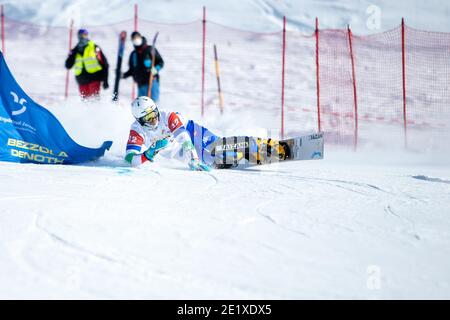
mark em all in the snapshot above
pixel 90 66
pixel 155 130
pixel 140 66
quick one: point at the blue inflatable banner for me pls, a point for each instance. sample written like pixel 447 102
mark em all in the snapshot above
pixel 30 133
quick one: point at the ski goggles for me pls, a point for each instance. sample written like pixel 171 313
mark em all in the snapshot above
pixel 151 117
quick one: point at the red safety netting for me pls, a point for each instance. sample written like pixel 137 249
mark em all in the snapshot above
pixel 336 88
pixel 250 65
pixel 378 73
pixel 300 84
pixel 398 79
pixel 427 78
pixel 36 57
pixel 180 45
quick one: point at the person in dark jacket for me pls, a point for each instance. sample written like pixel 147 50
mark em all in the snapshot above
pixel 90 66
pixel 140 66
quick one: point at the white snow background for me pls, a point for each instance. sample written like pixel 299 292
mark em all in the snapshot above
pixel 374 224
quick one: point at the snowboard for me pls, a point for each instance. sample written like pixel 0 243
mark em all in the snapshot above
pixel 122 38
pixel 242 152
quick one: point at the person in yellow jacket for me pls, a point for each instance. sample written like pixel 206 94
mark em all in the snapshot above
pixel 90 65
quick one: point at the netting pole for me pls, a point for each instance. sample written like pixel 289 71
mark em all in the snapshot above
pixel 319 127
pixel 355 96
pixel 3 29
pixel 66 92
pixel 135 17
pixel 404 80
pixel 283 63
pixel 203 61
pixel 219 88
pixel 133 92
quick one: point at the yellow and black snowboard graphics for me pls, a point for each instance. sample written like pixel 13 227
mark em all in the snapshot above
pixel 242 151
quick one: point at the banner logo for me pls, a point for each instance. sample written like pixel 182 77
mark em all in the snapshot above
pixel 35 152
pixel 232 146
pixel 21 102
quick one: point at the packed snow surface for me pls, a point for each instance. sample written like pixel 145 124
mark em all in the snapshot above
pixel 372 224
pixel 344 227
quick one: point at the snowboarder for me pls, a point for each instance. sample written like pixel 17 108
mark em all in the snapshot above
pixel 90 66
pixel 140 66
pixel 155 130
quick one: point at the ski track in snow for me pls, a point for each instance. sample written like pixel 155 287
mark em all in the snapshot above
pixel 67 243
pixel 425 178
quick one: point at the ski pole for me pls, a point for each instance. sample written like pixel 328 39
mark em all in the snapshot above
pixel 216 60
pixel 153 53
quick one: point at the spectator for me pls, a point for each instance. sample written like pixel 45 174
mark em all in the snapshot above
pixel 140 66
pixel 90 66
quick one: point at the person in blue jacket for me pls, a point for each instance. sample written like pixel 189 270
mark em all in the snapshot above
pixel 140 66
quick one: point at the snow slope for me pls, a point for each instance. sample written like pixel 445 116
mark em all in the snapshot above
pixel 372 224
pixel 255 15
pixel 325 229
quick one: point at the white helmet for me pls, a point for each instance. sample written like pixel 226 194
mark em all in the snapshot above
pixel 146 112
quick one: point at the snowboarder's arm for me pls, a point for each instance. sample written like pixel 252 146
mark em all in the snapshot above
pixel 134 154
pixel 135 159
pixel 176 126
